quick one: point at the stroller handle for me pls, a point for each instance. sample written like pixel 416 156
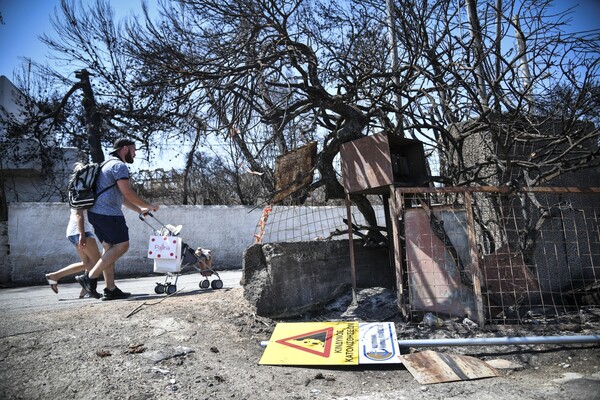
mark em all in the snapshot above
pixel 143 215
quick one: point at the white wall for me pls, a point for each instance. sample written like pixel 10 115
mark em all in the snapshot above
pixel 37 243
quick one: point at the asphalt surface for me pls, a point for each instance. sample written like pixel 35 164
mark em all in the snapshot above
pixel 40 298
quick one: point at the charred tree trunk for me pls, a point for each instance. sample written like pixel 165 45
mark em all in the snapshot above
pixel 93 118
pixel 190 163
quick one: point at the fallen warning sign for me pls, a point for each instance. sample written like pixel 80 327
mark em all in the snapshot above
pixel 312 343
pixel 332 343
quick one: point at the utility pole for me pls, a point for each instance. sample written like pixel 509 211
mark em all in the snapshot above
pixel 498 52
pixel 394 55
pixel 524 63
pixel 478 50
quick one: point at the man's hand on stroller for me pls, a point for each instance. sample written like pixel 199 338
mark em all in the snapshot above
pixel 144 211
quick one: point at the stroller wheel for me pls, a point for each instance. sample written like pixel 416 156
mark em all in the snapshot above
pixel 216 284
pixel 204 284
pixel 159 289
pixel 171 289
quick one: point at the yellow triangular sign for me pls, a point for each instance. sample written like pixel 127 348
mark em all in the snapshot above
pixel 317 342
pixel 313 343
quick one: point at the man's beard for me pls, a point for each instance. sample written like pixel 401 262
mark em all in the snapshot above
pixel 128 158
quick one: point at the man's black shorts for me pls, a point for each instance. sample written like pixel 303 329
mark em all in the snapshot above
pixel 111 229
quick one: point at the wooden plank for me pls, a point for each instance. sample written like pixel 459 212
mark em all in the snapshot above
pixel 432 367
pixel 498 189
pixel 475 270
pixel 351 247
pixel 396 209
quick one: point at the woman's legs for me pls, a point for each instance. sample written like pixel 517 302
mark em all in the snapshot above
pixel 68 270
pixel 89 255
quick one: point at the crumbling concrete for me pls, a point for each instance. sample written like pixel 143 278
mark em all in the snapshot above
pixel 290 279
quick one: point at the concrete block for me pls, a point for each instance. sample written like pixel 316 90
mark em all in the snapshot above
pixel 289 279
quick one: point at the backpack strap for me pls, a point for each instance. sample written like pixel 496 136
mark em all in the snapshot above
pixel 108 187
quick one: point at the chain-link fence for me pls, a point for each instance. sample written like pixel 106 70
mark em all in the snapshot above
pixel 494 255
pixel 502 256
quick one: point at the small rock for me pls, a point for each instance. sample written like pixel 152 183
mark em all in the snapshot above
pixel 162 371
pixel 103 353
pixel 503 364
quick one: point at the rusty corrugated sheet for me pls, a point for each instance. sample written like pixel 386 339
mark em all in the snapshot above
pixel 294 171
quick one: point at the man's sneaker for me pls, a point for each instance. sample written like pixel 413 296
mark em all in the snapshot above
pixel 88 284
pixel 115 294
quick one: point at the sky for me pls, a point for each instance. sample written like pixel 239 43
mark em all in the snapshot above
pixel 26 20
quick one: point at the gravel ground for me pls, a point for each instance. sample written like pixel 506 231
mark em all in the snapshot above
pixel 206 345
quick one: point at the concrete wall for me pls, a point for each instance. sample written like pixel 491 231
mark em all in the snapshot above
pixel 4 272
pixel 37 243
pixel 36 235
pixel 24 180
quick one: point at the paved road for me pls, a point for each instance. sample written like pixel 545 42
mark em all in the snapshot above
pixel 39 298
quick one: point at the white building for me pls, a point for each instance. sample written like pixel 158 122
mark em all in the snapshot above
pixel 24 174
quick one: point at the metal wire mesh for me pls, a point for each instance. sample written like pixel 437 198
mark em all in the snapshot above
pixel 306 223
pixel 509 257
pixel 536 256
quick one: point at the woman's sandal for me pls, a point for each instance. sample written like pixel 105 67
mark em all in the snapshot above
pixel 53 284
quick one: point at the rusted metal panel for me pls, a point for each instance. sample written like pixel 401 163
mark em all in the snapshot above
pixel 507 278
pixel 372 163
pixel 294 171
pixel 434 267
pixel 433 367
pixel 366 164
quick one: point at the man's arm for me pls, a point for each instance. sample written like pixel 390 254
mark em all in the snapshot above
pixel 132 200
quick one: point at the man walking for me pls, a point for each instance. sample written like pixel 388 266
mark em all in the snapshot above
pixel 106 215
